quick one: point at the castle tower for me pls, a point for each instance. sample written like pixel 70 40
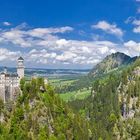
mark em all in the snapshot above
pixel 20 67
pixel 5 70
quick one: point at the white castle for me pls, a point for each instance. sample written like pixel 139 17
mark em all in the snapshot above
pixel 10 82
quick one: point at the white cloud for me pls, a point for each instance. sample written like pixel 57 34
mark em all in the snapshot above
pixel 137 26
pixel 136 29
pixel 6 23
pixel 40 32
pixel 109 28
pixel 71 52
pixel 32 37
pixel 16 37
pixel 138 10
pixel 66 56
pixel 43 47
pixel 104 50
pixel 61 42
pixel 136 22
pixel 132 47
pixel 7 55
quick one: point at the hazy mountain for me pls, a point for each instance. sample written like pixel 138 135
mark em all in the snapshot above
pixel 112 62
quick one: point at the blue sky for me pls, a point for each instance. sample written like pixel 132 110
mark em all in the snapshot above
pixel 67 33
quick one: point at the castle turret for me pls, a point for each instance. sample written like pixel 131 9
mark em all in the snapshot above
pixel 20 67
pixel 5 70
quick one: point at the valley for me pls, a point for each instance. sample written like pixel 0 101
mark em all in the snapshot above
pixel 70 70
pixel 91 105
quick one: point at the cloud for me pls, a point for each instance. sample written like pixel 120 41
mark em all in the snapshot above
pixel 32 37
pixel 138 10
pixel 137 26
pixel 6 23
pixel 80 52
pixel 44 47
pixel 134 22
pixel 129 19
pixel 73 52
pixel 136 29
pixel 40 32
pixel 108 28
pixel 132 47
pixel 7 55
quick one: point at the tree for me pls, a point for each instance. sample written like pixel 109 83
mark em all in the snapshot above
pixel 124 77
pixel 1 105
pixel 22 82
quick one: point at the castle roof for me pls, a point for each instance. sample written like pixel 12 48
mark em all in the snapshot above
pixel 2 73
pixel 20 58
pixel 9 74
pixel 14 75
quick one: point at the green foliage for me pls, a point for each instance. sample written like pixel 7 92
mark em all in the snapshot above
pixel 1 105
pixel 102 108
pixel 38 115
pixel 22 82
pixel 125 77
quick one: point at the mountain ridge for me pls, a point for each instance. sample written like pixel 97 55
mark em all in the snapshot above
pixel 112 62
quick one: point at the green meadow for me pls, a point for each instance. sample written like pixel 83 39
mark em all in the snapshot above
pixel 66 81
pixel 80 94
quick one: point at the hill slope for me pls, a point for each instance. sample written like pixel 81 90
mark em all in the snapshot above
pixel 111 62
pixel 40 115
pixel 113 108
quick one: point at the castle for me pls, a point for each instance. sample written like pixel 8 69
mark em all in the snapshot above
pixel 10 82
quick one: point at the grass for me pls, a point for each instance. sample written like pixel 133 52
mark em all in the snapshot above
pixel 61 81
pixel 66 81
pixel 81 94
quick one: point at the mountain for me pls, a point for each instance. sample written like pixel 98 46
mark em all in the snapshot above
pixel 112 62
pixel 113 108
pixel 115 62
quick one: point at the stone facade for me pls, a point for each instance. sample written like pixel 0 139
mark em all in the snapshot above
pixel 9 82
pixel 20 67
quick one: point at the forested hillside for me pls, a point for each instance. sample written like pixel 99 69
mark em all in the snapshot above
pixel 111 63
pixel 113 109
pixel 114 63
pixel 111 112
pixel 39 114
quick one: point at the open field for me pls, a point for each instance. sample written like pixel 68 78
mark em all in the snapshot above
pixel 69 96
pixel 66 81
pixel 63 80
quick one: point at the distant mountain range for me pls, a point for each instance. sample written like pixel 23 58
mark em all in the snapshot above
pixel 112 62
pixel 48 72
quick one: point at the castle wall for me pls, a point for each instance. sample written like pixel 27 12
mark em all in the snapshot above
pixel 9 87
pixel 9 83
pixel 7 93
pixel 20 68
pixel 20 72
pixel 2 93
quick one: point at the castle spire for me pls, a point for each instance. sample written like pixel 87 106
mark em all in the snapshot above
pixel 5 70
pixel 20 67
